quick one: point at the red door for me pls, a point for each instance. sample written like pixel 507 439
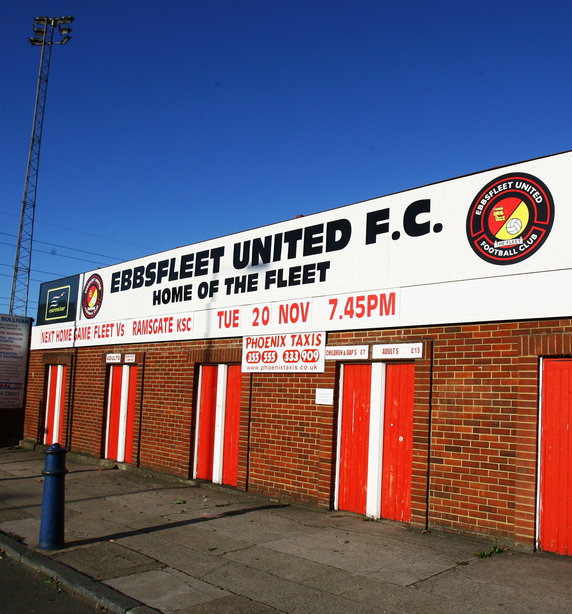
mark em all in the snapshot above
pixel 56 400
pixel 120 412
pixel 218 424
pixel 376 433
pixel 207 416
pixel 398 442
pixel 354 441
pixel 555 514
pixel 232 425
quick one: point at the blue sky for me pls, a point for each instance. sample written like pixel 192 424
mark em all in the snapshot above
pixel 173 122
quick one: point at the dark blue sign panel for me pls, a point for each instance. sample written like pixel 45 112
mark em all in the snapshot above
pixel 58 301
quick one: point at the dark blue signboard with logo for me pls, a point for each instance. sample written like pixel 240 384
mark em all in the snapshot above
pixel 58 301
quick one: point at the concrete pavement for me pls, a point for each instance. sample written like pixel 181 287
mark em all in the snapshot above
pixel 139 542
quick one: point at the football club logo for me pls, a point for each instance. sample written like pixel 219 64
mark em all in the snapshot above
pixel 510 218
pixel 92 296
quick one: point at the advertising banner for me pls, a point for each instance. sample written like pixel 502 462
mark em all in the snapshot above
pixel 484 247
pixel 14 342
pixel 298 352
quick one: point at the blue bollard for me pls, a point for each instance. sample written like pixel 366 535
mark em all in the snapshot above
pixel 52 522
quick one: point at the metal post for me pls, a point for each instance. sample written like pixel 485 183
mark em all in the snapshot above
pixel 53 503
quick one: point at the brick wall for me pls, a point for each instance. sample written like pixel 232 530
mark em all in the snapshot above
pixel 292 439
pixel 475 419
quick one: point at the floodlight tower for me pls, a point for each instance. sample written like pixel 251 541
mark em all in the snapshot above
pixel 48 31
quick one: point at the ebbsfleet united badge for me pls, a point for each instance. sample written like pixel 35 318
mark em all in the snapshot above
pixel 92 296
pixel 510 218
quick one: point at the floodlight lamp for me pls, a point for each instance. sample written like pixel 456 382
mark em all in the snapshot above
pixel 64 40
pixel 66 19
pixel 36 41
pixel 64 30
pixel 39 31
pixel 41 20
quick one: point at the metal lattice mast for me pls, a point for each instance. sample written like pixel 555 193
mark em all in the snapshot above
pixel 44 30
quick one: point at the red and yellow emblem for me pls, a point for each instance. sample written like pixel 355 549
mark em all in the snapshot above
pixel 510 218
pixel 92 296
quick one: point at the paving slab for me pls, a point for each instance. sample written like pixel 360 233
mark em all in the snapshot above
pixel 235 604
pixel 204 538
pixel 399 599
pixel 89 527
pixel 260 526
pixel 159 502
pixel 260 586
pixel 542 572
pixel 399 563
pixel 283 594
pixel 507 583
pixel 334 581
pixel 309 601
pixel 389 531
pixel 280 564
pixel 105 560
pixel 170 554
pixel 31 499
pixel 8 513
pixel 26 530
pixel 167 589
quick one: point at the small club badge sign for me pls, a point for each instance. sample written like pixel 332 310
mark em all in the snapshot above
pixel 289 352
pixel 92 296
